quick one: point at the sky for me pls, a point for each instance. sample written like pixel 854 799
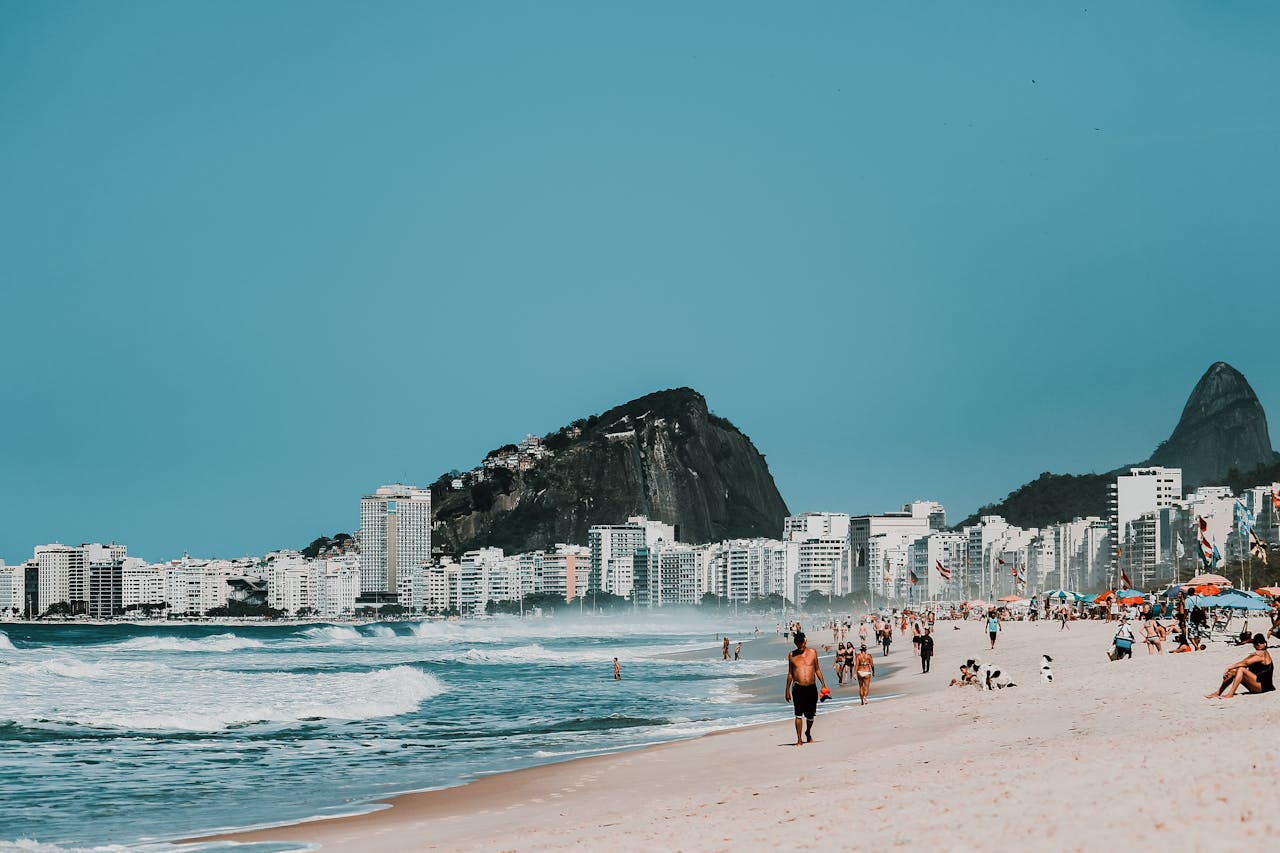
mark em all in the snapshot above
pixel 257 258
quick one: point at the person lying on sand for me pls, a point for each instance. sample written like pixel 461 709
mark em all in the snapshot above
pixel 1254 672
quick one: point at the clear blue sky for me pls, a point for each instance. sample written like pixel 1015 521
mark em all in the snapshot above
pixel 258 258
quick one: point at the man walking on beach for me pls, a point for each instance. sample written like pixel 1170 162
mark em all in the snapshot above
pixel 864 667
pixel 926 649
pixel 802 668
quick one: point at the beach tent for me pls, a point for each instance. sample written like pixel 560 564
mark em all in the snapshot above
pixel 1203 579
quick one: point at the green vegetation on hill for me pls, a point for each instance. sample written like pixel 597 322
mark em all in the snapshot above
pixel 1049 499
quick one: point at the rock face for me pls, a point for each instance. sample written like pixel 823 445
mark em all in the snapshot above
pixel 1223 427
pixel 663 455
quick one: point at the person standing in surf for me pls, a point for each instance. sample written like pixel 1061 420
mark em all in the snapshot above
pixel 802 668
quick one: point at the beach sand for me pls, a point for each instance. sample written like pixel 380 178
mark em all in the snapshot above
pixel 1125 752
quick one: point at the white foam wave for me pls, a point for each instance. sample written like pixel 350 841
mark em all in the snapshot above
pixel 155 697
pixel 214 643
pixel 6 645
pixel 332 634
pixel 381 631
pixel 27 845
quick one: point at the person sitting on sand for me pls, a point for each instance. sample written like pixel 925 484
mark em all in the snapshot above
pixel 967 677
pixel 1254 672
pixel 1184 644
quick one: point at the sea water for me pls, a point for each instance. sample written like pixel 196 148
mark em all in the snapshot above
pixel 125 734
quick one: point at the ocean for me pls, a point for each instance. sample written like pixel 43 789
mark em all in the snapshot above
pixel 135 734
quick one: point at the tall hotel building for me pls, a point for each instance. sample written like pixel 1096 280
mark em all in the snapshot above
pixel 395 542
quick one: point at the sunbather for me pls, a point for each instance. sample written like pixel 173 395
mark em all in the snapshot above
pixel 1254 672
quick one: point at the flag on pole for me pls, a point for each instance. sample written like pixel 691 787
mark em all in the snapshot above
pixel 1244 518
pixel 1257 547
pixel 1000 561
pixel 1208 552
pixel 1182 551
pixel 914 580
pixel 942 570
pixel 1217 557
pixel 1021 577
pixel 1124 579
pixel 1275 499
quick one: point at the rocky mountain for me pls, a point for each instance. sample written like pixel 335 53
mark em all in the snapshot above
pixel 1221 439
pixel 1222 428
pixel 664 455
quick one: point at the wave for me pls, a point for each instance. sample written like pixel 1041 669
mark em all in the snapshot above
pixel 6 645
pixel 381 631
pixel 332 634
pixel 214 643
pixel 153 697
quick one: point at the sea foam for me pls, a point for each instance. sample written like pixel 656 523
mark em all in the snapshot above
pixel 155 697
pixel 214 643
pixel 6 645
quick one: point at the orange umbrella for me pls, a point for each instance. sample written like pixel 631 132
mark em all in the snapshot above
pixel 1011 598
pixel 1103 598
pixel 1206 589
pixel 1270 591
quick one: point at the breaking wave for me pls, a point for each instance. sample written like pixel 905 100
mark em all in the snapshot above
pixel 6 645
pixel 214 643
pixel 155 697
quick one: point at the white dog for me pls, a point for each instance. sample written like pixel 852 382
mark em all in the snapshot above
pixel 1046 671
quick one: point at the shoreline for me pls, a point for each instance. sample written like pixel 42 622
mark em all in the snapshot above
pixel 451 801
pixel 1096 756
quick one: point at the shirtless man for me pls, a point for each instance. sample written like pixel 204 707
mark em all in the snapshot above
pixel 725 647
pixel 864 667
pixel 802 668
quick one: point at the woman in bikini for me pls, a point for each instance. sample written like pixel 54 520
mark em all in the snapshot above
pixel 840 664
pixel 1254 672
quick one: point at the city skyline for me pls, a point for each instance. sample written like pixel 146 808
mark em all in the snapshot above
pixel 904 270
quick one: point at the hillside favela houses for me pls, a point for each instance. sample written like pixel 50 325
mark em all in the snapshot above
pixel 1154 534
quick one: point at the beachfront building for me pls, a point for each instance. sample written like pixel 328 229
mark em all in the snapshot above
pixel 443 587
pixel 141 584
pixel 395 543
pixel 614 545
pixel 666 575
pixel 926 554
pixel 561 572
pixel 1081 551
pixel 986 541
pixel 918 518
pixel 63 572
pixel 13 589
pixel 485 575
pixel 194 587
pixel 887 556
pixel 749 569
pixel 1141 492
pixel 823 567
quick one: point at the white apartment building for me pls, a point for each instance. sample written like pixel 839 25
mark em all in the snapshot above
pixel 749 569
pixel 918 518
pixel 666 575
pixel 485 575
pixel 614 545
pixel 443 587
pixel 887 557
pixel 561 572
pixel 197 586
pixel 63 571
pixel 815 525
pixel 395 542
pixel 13 589
pixel 141 583
pixel 823 567
pixel 925 553
pixel 1133 495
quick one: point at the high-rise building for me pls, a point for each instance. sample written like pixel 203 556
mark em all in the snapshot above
pixel 1141 492
pixel 666 574
pixel 63 571
pixel 13 589
pixel 918 518
pixel 748 569
pixel 395 543
pixel 614 545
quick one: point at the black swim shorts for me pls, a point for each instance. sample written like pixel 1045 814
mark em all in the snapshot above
pixel 804 697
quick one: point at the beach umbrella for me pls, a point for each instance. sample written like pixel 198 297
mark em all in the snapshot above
pixel 978 602
pixel 1131 596
pixel 1232 599
pixel 1199 580
pixel 1172 592
pixel 1104 597
pixel 1206 589
pixel 1270 591
pixel 1011 598
pixel 1063 595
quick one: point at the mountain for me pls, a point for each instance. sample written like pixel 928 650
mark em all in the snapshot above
pixel 1221 439
pixel 1222 429
pixel 664 455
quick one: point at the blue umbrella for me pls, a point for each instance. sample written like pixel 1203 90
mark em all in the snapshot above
pixel 1234 599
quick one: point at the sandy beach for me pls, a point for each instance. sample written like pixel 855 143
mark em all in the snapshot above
pixel 1127 752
